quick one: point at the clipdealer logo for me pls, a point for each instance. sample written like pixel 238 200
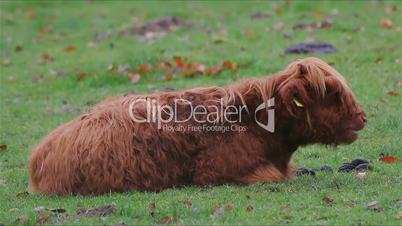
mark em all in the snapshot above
pixel 168 117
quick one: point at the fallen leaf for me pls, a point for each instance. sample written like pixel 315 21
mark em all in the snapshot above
pixel 97 212
pixel 361 175
pixel 188 203
pixel 3 182
pixel 71 48
pixel 179 61
pixel 374 205
pixel 144 68
pixel 81 76
pixel 135 78
pixel 386 23
pixel 249 208
pixel 390 9
pixel 18 48
pixel 48 57
pixel 378 60
pixel 215 70
pixel 399 84
pixel 22 194
pixel 42 219
pixel 393 93
pixel 169 76
pixel 46 29
pixel 229 65
pixel 164 64
pixel 22 219
pixel 3 147
pixel 388 158
pixel 229 206
pixel 328 199
pixel 168 220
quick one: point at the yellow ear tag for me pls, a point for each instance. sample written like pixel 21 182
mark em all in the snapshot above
pixel 300 105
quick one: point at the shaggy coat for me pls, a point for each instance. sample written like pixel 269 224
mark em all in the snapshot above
pixel 106 150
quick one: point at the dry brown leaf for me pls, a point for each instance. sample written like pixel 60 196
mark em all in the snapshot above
pixel 393 93
pixel 229 206
pixel 227 64
pixel 328 199
pixel 215 70
pixel 47 29
pixel 169 76
pixel 18 48
pixel 3 147
pixel 48 57
pixel 388 159
pixel 3 182
pixel 386 23
pixel 390 9
pixel 188 203
pixel 179 62
pixel 42 219
pixel 22 219
pixel 249 208
pixel 71 48
pixel 135 78
pixel 144 68
pixel 164 64
pixel 168 220
pixel 81 76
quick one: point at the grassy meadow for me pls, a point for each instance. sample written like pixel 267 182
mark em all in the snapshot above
pixel 57 59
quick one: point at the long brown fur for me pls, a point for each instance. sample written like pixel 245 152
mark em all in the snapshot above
pixel 104 150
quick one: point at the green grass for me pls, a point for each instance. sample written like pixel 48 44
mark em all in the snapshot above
pixel 30 110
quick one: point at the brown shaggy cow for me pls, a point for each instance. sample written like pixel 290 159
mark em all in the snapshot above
pixel 109 148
